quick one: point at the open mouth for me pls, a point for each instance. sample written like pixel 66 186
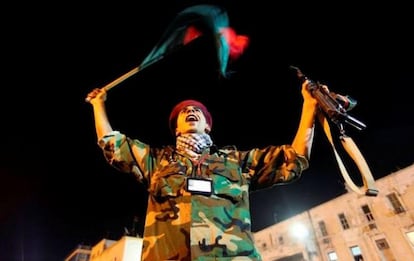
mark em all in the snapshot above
pixel 191 117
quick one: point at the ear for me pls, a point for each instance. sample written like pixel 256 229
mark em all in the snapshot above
pixel 207 129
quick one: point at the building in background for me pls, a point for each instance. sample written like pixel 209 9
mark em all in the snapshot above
pixel 126 249
pixel 349 227
pixel 81 253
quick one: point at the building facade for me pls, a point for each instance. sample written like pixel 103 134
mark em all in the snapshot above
pixel 349 227
pixel 80 253
pixel 126 248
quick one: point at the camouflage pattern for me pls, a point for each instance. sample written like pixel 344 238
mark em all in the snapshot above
pixel 183 226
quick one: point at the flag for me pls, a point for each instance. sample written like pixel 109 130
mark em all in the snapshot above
pixel 194 22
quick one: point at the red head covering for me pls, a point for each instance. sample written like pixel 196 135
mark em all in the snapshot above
pixel 177 108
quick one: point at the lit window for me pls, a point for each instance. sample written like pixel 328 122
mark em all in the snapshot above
pixel 356 253
pixel 410 236
pixel 332 256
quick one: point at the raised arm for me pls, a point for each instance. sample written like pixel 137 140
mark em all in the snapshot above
pixel 97 98
pixel 302 142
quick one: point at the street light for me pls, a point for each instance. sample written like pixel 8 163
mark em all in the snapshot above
pixel 299 231
pixel 303 234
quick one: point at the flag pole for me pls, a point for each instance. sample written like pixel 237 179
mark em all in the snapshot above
pixel 121 79
pixel 118 80
pixel 128 74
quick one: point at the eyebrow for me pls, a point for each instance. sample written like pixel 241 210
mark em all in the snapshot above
pixel 195 107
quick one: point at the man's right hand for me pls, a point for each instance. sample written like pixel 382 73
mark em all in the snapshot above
pixel 96 95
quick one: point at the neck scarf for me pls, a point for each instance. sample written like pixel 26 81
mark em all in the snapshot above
pixel 193 143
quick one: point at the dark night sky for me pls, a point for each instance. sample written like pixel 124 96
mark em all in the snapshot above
pixel 56 189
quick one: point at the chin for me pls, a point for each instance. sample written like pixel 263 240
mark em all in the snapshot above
pixel 193 131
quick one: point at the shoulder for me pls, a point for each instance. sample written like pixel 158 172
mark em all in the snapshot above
pixel 230 151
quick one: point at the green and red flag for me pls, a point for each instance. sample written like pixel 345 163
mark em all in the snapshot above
pixel 190 24
pixel 196 21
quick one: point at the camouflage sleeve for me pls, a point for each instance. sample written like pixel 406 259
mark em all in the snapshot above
pixel 273 165
pixel 125 154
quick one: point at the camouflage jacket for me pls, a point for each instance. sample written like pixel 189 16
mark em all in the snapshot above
pixel 183 225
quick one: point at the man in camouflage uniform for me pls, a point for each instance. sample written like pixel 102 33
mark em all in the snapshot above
pixel 198 204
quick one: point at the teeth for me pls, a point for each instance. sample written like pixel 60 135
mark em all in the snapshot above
pixel 191 118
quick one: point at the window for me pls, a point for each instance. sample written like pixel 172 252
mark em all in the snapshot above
pixel 369 217
pixel 343 221
pixel 332 256
pixel 368 213
pixel 322 227
pixel 410 236
pixel 395 202
pixel 280 239
pixel 382 244
pixel 384 249
pixel 356 253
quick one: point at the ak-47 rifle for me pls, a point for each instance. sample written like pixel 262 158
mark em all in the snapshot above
pixel 336 107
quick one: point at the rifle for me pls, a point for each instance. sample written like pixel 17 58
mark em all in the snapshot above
pixel 334 105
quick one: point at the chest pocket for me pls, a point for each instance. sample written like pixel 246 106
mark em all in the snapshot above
pixel 228 181
pixel 168 180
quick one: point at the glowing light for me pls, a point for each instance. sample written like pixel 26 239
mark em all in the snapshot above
pixel 299 231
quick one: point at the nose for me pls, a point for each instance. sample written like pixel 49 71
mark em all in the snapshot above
pixel 190 109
